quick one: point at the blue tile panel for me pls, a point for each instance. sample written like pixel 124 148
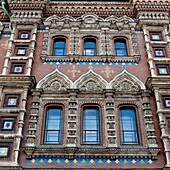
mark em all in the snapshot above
pixel 89 63
pixel 91 160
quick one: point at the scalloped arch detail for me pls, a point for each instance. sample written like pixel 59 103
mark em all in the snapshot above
pixel 126 81
pixel 90 81
pixel 65 17
pixel 55 81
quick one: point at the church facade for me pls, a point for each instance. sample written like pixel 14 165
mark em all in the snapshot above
pixel 84 84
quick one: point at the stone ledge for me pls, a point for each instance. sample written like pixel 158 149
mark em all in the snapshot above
pixel 98 58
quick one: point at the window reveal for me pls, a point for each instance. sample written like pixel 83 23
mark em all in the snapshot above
pixel 90 47
pixel 128 124
pixel 59 47
pixel 53 125
pixel 120 47
pixel 91 126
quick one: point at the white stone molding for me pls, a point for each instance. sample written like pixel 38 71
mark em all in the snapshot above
pixel 89 18
pixel 90 81
pixel 55 81
pixel 55 17
pixel 126 81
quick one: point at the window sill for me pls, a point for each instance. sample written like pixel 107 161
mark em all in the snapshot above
pixel 81 58
pixel 98 150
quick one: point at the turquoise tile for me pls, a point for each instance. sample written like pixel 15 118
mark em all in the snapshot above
pixel 29 160
pixel 71 160
pixel 54 160
pixel 45 160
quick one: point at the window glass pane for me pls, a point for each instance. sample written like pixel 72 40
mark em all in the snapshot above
pixel 90 46
pixel 52 136
pixel 59 46
pixel 120 47
pixel 128 126
pixel 91 126
pixel 53 125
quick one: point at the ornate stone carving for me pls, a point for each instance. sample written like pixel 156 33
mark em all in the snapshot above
pixel 54 85
pixel 149 123
pixel 90 81
pixel 72 118
pixel 126 82
pixel 34 116
pixel 55 81
pixel 110 118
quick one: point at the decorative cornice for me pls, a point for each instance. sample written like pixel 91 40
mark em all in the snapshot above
pixel 25 6
pixel 110 152
pixel 102 58
pixel 17 81
pixel 158 82
pixel 101 13
pixel 152 6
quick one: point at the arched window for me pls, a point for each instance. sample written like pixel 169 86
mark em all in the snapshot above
pixel 59 46
pixel 53 125
pixel 120 47
pixel 91 125
pixel 128 124
pixel 90 47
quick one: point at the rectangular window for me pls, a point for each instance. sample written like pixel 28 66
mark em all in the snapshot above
pixel 21 51
pixel 128 124
pixel 156 36
pixel 91 126
pixel 53 125
pixel 166 101
pixel 159 52
pixel 168 125
pixel 11 100
pixel 162 69
pixel 24 35
pixel 7 123
pixel 4 151
pixel 17 68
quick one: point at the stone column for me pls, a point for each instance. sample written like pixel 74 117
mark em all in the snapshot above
pixel 9 50
pixel 34 117
pixel 72 119
pixel 110 119
pixel 74 38
pixel 148 120
pixel 32 48
pixel 149 50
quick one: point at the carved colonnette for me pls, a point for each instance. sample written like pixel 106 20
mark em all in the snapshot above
pixel 110 119
pixel 34 117
pixel 72 118
pixel 148 118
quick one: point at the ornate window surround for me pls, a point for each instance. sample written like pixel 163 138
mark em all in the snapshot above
pixel 52 44
pixel 84 24
pixel 100 124
pixel 43 121
pixel 128 47
pixel 123 84
pixel 138 124
pixel 90 37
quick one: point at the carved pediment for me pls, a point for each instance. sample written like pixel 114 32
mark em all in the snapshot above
pixel 55 81
pixel 126 85
pixel 90 81
pixel 126 82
